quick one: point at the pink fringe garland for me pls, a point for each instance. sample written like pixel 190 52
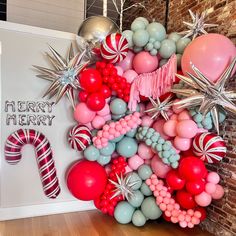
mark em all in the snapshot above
pixel 153 84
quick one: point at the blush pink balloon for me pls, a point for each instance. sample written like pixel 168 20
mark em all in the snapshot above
pixel 127 63
pixel 83 114
pixel 135 161
pixel 213 177
pixel 203 199
pixel 147 121
pixel 128 169
pixel 159 168
pixel 130 75
pixel 158 126
pixel 98 122
pixel 182 144
pixel 210 188
pixel 144 151
pixel 220 52
pixel 219 193
pixel 186 129
pixel 105 110
pixel 169 128
pixel 174 117
pixel 107 117
pixel 184 115
pixel 119 70
pixel 144 62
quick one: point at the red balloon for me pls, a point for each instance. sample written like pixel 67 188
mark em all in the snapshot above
pixel 83 95
pixel 174 181
pixel 90 80
pixel 166 218
pixel 196 187
pixel 185 199
pixel 86 180
pixel 105 91
pixel 96 101
pixel 203 212
pixel 191 168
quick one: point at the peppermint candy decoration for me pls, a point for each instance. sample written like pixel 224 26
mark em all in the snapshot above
pixel 79 137
pixel 114 48
pixel 209 147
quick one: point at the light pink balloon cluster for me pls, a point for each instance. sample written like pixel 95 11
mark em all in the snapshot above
pixel 169 206
pixel 116 129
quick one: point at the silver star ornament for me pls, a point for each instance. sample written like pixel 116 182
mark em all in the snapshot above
pixel 197 26
pixel 63 75
pixel 211 97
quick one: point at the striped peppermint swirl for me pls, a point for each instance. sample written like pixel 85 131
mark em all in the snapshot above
pixel 44 157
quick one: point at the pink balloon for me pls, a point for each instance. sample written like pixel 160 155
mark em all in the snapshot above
pixel 144 151
pixel 142 109
pixel 128 169
pixel 186 129
pixel 158 126
pixel 147 161
pixel 219 193
pixel 83 114
pixel 119 70
pixel 98 122
pixel 213 177
pixel 126 64
pixel 105 110
pixel 130 75
pixel 182 144
pixel 147 121
pixel 210 53
pixel 159 168
pixel 184 115
pixel 203 199
pixel 170 128
pixel 210 188
pixel 107 117
pixel 135 161
pixel 144 62
pixel 174 117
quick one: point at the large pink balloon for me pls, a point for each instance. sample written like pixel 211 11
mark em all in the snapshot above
pixel 126 64
pixel 210 53
pixel 159 168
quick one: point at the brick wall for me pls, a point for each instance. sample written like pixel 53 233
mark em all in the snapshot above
pixel 221 214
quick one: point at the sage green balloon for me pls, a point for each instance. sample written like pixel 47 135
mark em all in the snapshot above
pixel 182 44
pixel 136 199
pixel 123 212
pixel 145 21
pixel 156 31
pixel 91 153
pixel 128 34
pixel 135 178
pixel 116 140
pixel 179 57
pixel 144 171
pixel 127 147
pixel 131 133
pixel 108 150
pixel 163 62
pixel 137 49
pixel 138 24
pixel 167 49
pixel 146 191
pixel 140 38
pixel 150 209
pixel 103 160
pixel 157 45
pixel 174 36
pixel 138 218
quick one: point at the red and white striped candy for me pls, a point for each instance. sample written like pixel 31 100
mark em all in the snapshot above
pixel 114 48
pixel 209 147
pixel 79 137
pixel 44 157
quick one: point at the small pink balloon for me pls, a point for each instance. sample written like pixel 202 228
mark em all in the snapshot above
pixel 186 129
pixel 184 115
pixel 158 126
pixel 135 161
pixel 127 63
pixel 174 117
pixel 213 177
pixel 182 144
pixel 169 128
pixel 119 70
pixel 210 188
pixel 83 114
pixel 105 111
pixel 183 224
pixel 219 193
pixel 89 125
pixel 144 62
pixel 159 168
pixel 130 75
pixel 203 199
pixel 173 146
pixel 98 122
pixel 144 151
pixel 176 108
pixel 147 121
pixel 107 117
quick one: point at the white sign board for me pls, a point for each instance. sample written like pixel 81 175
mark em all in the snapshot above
pixel 21 192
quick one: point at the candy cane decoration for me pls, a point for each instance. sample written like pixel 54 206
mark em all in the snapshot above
pixel 44 157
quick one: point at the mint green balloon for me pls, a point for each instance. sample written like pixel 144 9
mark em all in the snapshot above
pixel 127 147
pixel 118 106
pixel 149 46
pixel 179 57
pixel 153 52
pixel 103 160
pixel 182 44
pixel 157 44
pixel 135 178
pixel 91 153
pixel 145 21
pixel 145 189
pixel 131 133
pixel 156 31
pixel 140 38
pixel 162 62
pixel 137 25
pixel 167 49
pixel 144 171
pixel 150 209
pixel 137 49
pixel 136 199
pixel 123 212
pixel 174 36
pixel 108 150
pixel 116 140
pixel 128 34
pixel 138 218
pixel 117 117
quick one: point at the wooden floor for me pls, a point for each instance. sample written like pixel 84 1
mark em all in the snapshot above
pixel 90 223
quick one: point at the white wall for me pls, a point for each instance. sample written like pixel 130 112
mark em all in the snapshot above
pixel 63 15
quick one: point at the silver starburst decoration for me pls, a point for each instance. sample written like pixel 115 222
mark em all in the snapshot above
pixel 64 73
pixel 160 108
pixel 197 27
pixel 123 186
pixel 208 95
